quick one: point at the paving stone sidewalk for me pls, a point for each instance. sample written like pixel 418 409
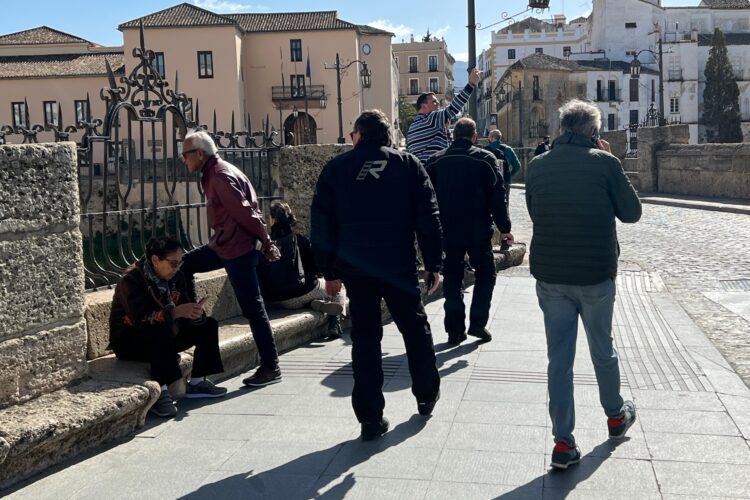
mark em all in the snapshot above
pixel 489 436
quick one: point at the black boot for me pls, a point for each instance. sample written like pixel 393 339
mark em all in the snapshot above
pixel 334 330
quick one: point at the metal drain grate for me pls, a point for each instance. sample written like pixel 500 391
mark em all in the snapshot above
pixel 742 284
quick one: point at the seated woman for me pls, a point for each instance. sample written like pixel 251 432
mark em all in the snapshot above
pixel 294 282
pixel 153 318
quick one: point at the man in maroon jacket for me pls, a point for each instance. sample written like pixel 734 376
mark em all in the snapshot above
pixel 238 232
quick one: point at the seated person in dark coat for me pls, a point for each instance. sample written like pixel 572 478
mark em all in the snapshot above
pixel 153 318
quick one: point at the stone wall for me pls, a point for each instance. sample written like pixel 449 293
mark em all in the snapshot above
pixel 42 332
pixel 714 170
pixel 650 141
pixel 296 170
pixel 618 142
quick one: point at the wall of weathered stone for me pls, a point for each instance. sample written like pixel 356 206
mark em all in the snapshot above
pixel 714 170
pixel 42 331
pixel 296 170
pixel 650 141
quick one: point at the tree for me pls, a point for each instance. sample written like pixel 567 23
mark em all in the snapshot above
pixel 406 114
pixel 721 104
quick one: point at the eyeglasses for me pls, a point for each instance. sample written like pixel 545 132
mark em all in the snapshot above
pixel 176 264
pixel 185 153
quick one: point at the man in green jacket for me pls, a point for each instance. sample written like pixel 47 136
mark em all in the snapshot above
pixel 574 192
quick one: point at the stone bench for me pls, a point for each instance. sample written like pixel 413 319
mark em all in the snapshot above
pixel 116 396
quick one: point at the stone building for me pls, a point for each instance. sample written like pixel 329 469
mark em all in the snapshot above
pixel 270 65
pixel 486 116
pixel 424 66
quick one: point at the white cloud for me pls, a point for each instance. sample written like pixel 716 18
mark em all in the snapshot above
pixel 400 31
pixel 225 7
pixel 460 56
pixel 442 31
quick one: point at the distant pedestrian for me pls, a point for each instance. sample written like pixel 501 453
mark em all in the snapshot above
pixel 542 147
pixel 471 196
pixel 239 231
pixel 429 133
pixel 507 159
pixel 369 205
pixel 574 193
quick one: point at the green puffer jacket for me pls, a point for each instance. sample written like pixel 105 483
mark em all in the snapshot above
pixel 573 194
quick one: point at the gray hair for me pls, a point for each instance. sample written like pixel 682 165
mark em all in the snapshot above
pixel 201 140
pixel 579 117
pixel 495 134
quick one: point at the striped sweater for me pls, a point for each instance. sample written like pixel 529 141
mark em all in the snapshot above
pixel 428 134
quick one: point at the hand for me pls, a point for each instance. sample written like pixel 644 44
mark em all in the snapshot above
pixel 333 287
pixel 604 145
pixel 271 252
pixel 508 238
pixel 431 281
pixel 191 310
pixel 474 77
pixel 202 302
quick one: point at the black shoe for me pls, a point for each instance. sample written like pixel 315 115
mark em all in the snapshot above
pixel 334 331
pixel 456 338
pixel 372 430
pixel 263 376
pixel 425 409
pixel 482 334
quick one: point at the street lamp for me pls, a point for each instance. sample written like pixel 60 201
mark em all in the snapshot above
pixel 635 72
pixel 365 75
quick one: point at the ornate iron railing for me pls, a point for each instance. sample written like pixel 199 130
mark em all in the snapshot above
pixel 132 184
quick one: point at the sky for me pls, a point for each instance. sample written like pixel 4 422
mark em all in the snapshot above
pixel 98 21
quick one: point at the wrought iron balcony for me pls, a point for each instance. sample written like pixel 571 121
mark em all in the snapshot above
pixel 414 91
pixel 289 93
pixel 607 95
pixel 674 75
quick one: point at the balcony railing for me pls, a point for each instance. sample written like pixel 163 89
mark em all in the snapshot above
pixel 539 129
pixel 413 69
pixel 433 69
pixel 739 74
pixel 435 89
pixel 607 95
pixel 288 93
pixel 414 91
pixel 674 74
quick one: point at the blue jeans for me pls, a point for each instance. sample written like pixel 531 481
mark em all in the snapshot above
pixel 244 278
pixel 562 305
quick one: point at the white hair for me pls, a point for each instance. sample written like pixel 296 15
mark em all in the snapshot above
pixel 495 134
pixel 201 140
pixel 579 117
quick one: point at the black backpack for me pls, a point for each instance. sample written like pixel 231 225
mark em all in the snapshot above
pixel 286 274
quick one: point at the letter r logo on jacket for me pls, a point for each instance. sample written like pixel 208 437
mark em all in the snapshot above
pixel 372 167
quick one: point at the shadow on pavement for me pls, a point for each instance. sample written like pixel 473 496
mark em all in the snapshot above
pixel 251 485
pixel 563 482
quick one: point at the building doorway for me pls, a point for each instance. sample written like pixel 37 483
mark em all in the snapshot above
pixel 298 126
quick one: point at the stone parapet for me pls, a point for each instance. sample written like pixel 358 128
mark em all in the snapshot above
pixel 650 141
pixel 712 170
pixel 42 341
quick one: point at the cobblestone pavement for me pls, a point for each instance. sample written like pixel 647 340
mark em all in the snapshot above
pixel 693 251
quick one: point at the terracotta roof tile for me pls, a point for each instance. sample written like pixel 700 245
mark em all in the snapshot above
pixel 726 4
pixel 60 65
pixel 546 62
pixel 291 21
pixel 183 14
pixel 40 35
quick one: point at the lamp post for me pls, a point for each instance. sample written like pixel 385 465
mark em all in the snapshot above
pixel 635 72
pixel 365 76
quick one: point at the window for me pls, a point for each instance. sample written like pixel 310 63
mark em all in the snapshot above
pixel 612 90
pixel 633 116
pixel 158 64
pixel 539 50
pixel 611 121
pixel 675 68
pixel 511 53
pixel 295 48
pixel 297 83
pixel 413 61
pixel 19 114
pixel 653 91
pixel 413 86
pixel 566 51
pixel 535 90
pixel 82 111
pixel 634 90
pixel 50 113
pixel 599 91
pixel 205 64
pixel 432 63
pixel 674 105
pixel 630 25
pixel 434 87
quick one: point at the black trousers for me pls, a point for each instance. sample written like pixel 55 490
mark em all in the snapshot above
pixel 482 260
pixel 405 304
pixel 243 275
pixel 157 345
